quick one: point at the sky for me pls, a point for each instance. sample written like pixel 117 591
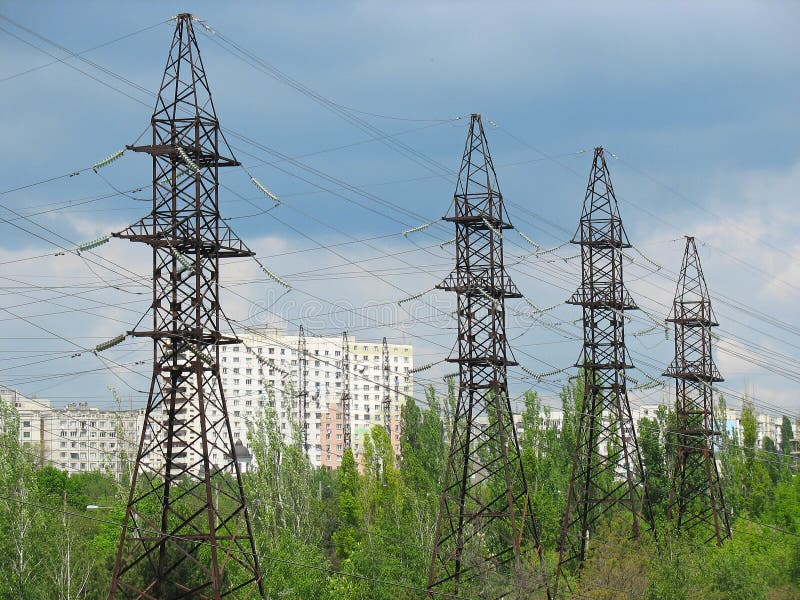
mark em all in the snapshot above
pixel 355 114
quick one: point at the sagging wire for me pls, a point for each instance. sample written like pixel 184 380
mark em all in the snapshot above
pixel 650 329
pixel 418 228
pixel 651 384
pixel 106 161
pixel 538 309
pixel 653 263
pixel 541 376
pixel 550 250
pixel 658 323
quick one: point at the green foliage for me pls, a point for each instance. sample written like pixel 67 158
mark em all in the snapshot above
pixel 351 533
pixel 787 435
pixel 547 466
pixel 651 445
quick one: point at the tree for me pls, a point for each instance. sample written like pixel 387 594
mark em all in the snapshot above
pixel 787 435
pixel 616 566
pixel 286 510
pixel 347 535
pixel 547 466
pixel 654 463
pixel 771 458
pixel 21 522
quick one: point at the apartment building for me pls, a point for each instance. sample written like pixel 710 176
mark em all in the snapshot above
pixel 77 438
pixel 767 425
pixel 264 370
pixel 29 411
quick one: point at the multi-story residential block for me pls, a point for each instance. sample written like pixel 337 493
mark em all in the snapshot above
pixel 29 411
pixel 77 438
pixel 80 439
pixel 766 425
pixel 260 372
pixel 264 371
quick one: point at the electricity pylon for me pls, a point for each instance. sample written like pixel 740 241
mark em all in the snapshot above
pixel 302 388
pixel 696 503
pixel 607 474
pixel 487 539
pixel 186 531
pixel 346 397
pixel 387 399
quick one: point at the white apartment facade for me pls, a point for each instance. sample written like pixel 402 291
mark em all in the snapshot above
pixel 264 369
pixel 766 425
pixel 77 438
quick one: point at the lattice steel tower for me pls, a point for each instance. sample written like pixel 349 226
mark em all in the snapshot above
pixel 696 502
pixel 487 539
pixel 387 399
pixel 302 388
pixel 607 468
pixel 186 532
pixel 346 397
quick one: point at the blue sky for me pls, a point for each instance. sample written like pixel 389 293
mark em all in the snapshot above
pixel 699 104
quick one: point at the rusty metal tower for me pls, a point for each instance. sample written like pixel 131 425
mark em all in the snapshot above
pixel 696 502
pixel 302 388
pixel 607 475
pixel 487 539
pixel 346 397
pixel 186 531
pixel 387 398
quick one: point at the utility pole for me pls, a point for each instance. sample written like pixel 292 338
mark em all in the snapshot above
pixel 607 469
pixel 302 388
pixel 346 429
pixel 186 451
pixel 696 502
pixel 387 398
pixel 486 534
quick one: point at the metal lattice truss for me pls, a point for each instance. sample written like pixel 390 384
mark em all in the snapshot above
pixel 387 399
pixel 696 503
pixel 186 532
pixel 486 534
pixel 347 429
pixel 302 388
pixel 607 470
